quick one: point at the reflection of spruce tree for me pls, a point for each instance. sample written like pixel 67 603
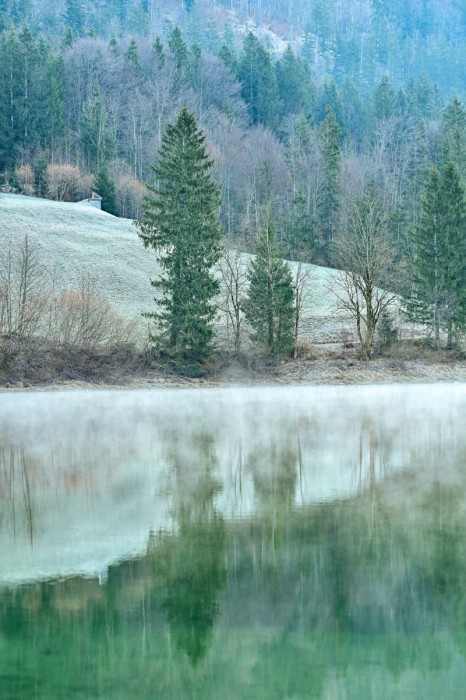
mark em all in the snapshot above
pixel 191 563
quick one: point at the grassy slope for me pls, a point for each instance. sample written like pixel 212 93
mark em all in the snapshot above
pixel 77 238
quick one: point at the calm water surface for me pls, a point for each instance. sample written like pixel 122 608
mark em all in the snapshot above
pixel 276 543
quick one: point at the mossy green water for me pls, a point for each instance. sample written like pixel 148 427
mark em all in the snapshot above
pixel 359 596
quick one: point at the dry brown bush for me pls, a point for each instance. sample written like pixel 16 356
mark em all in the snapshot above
pixel 83 318
pixel 25 175
pixel 63 182
pixel 130 194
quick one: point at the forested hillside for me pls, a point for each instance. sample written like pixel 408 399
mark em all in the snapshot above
pixel 325 118
pixel 72 107
pixel 341 38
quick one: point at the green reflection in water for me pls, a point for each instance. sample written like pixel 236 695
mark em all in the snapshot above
pixel 362 597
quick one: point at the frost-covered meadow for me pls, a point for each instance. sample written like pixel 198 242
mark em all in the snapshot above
pixel 78 239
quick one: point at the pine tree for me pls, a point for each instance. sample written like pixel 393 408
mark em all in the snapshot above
pixel 133 61
pixel 269 307
pixel 331 151
pixel 179 51
pixel 181 224
pixel 41 180
pixel 453 136
pixel 452 196
pixel 384 99
pixel 74 16
pixel 104 185
pixel 11 98
pixel 295 84
pixel 259 86
pixel 438 298
pixel 301 237
pixel 159 53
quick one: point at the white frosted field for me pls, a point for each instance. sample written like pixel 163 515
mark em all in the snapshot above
pixel 77 238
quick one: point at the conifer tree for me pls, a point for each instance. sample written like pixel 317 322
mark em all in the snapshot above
pixel 331 151
pixel 452 199
pixel 181 225
pixel 74 16
pixel 384 99
pixel 41 180
pixel 438 297
pixel 453 135
pixel 159 53
pixel 295 84
pixel 259 86
pixel 179 50
pixel 105 187
pixel 269 307
pixel 301 237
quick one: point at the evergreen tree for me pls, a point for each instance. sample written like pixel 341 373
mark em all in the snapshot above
pixel 330 97
pixel 75 16
pixel 259 86
pixel 295 84
pixel 159 53
pixel 269 307
pixel 228 56
pixel 179 51
pixel 11 98
pixel 384 99
pixel 331 151
pixel 53 128
pixel 438 298
pixel 181 224
pixel 453 136
pixel 301 237
pixel 133 61
pixel 41 180
pixel 104 185
pixel 452 196
pixel 429 248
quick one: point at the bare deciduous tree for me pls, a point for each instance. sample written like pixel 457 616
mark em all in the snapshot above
pixel 23 289
pixel 366 285
pixel 234 280
pixel 302 279
pixel 84 319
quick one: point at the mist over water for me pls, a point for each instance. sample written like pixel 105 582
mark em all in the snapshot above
pixel 250 529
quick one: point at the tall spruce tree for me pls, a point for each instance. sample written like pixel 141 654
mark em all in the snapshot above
pixel 438 297
pixel 453 135
pixel 259 85
pixel 331 151
pixel 181 225
pixel 452 197
pixel 269 307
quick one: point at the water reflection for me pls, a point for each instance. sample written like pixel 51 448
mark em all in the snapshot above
pixel 188 562
pixel 290 545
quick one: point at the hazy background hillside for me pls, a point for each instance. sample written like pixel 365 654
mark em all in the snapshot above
pixel 344 38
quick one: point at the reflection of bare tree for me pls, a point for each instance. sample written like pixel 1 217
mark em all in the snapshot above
pixel 15 487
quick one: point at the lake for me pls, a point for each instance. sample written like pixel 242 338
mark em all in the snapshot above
pixel 275 543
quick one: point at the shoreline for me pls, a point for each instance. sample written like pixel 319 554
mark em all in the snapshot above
pixel 295 372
